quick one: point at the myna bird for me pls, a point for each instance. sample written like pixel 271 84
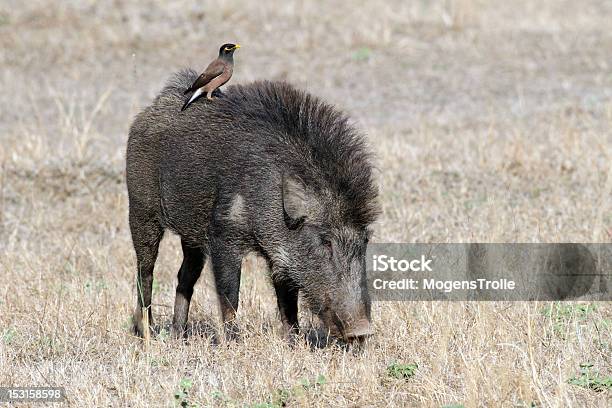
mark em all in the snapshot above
pixel 215 75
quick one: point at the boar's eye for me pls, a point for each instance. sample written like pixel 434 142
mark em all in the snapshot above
pixel 327 244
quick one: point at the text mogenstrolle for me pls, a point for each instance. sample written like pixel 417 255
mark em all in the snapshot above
pixel 445 286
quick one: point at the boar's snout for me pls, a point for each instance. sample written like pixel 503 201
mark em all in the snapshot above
pixel 349 330
pixel 360 330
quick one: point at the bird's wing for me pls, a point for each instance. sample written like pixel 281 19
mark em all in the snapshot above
pixel 215 69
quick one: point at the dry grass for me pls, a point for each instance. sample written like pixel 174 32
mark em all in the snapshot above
pixel 491 121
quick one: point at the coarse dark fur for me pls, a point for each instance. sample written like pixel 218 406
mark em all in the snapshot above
pixel 264 168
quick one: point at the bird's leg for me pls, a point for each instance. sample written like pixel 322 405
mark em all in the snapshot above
pixel 209 96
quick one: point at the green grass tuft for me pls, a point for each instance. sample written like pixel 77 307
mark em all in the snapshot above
pixel 402 371
pixel 589 379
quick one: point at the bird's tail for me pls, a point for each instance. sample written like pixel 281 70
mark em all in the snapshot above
pixel 195 96
pixel 186 104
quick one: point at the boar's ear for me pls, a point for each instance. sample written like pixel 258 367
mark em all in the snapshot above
pixel 295 205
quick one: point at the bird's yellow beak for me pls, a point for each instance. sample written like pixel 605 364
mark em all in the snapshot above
pixel 237 46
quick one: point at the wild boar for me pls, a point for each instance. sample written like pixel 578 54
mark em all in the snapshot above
pixel 266 168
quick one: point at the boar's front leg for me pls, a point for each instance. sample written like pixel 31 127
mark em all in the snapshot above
pixel 191 268
pixel 287 300
pixel 226 261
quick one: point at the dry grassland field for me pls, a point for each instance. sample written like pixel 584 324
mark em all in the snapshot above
pixel 490 121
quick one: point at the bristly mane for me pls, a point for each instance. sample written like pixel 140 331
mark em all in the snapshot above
pixel 329 146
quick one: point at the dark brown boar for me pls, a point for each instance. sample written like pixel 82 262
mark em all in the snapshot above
pixel 264 168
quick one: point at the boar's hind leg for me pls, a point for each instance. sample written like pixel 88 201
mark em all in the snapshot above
pixel 191 268
pixel 226 262
pixel 287 300
pixel 146 237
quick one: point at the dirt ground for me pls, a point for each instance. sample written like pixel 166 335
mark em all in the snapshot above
pixel 491 122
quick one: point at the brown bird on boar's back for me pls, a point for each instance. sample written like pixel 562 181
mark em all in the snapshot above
pixel 215 75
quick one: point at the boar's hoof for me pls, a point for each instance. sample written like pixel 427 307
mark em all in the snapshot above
pixel 138 327
pixel 293 337
pixel 178 331
pixel 232 331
